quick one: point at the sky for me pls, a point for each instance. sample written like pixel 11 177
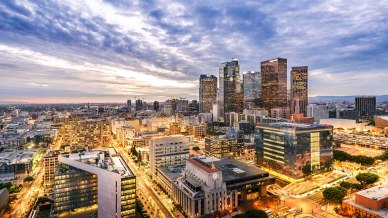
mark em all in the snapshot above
pixel 57 51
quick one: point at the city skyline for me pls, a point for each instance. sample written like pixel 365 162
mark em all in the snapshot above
pixel 73 52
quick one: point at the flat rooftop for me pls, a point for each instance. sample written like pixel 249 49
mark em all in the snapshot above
pixel 376 193
pixel 382 212
pixel 383 117
pixel 107 159
pixel 296 126
pixel 16 156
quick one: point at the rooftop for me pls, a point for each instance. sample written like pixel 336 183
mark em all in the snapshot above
pixel 376 193
pixel 297 126
pixel 202 165
pixel 16 156
pixel 106 159
pixel 383 117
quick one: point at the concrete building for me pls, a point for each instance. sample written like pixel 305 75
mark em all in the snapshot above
pixel 221 147
pixel 96 178
pixel 168 151
pixel 50 161
pixel 293 149
pixel 156 106
pixel 138 105
pixel 317 112
pixel 210 187
pixel 129 105
pixel 4 198
pixel 366 105
pixel 381 121
pixel 207 93
pixel 371 203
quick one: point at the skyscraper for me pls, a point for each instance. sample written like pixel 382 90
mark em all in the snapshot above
pixel 299 90
pixel 139 105
pixel 129 105
pixel 156 105
pixel 252 89
pixel 274 83
pixel 366 105
pixel 207 93
pixel 230 93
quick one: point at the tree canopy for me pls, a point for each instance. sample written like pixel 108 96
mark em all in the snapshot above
pixel 253 213
pixel 367 178
pixel 334 194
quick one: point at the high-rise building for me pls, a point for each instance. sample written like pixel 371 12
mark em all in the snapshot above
pixel 182 105
pixel 299 90
pixel 139 105
pixel 366 105
pixel 98 179
pixel 207 93
pixel 294 149
pixel 171 106
pixel 50 166
pixel 156 105
pixel 317 111
pixel 230 93
pixel 252 89
pixel 274 83
pixel 129 105
pixel 168 151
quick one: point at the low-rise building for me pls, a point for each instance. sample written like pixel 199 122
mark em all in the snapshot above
pixel 372 203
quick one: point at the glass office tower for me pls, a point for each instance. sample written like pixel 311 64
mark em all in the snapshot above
pixel 294 150
pixel 252 89
pixel 299 90
pixel 274 83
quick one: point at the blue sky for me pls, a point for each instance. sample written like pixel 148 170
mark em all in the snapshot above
pixel 109 51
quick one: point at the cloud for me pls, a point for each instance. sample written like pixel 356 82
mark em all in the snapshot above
pixel 113 50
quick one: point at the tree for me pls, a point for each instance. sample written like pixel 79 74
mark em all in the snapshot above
pixel 28 179
pixel 334 194
pixel 253 213
pixel 241 215
pixel 196 148
pixel 367 178
pixel 306 169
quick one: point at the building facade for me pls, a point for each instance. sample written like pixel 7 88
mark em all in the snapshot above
pixel 129 105
pixel 317 112
pixel 138 105
pixel 252 89
pixel 230 93
pixel 221 147
pixel 274 83
pixel 299 90
pixel 50 166
pixel 207 93
pixel 168 151
pixel 293 149
pixel 366 105
pixel 96 178
pixel 156 106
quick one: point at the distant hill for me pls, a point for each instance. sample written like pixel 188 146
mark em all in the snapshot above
pixel 11 102
pixel 379 98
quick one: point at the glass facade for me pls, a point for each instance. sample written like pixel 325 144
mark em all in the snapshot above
pixel 294 150
pixel 230 96
pixel 207 93
pixel 274 83
pixel 299 90
pixel 128 196
pixel 74 188
pixel 252 89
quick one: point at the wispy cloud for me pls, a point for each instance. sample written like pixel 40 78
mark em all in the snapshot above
pixel 113 50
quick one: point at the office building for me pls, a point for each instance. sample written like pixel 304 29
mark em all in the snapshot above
pixel 221 147
pixel 207 93
pixel 99 179
pixel 139 105
pixel 293 149
pixel 366 105
pixel 50 161
pixel 280 112
pixel 168 151
pixel 317 112
pixel 230 93
pixel 209 187
pixel 129 105
pixel 299 90
pixel 371 203
pixel 170 106
pixel 156 106
pixel 274 83
pixel 252 89
pixel 183 105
